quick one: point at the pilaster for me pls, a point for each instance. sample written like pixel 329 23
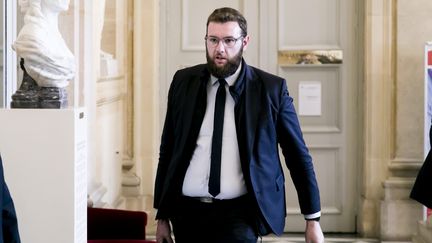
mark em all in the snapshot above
pixel 147 118
pixel 378 111
pixel 400 214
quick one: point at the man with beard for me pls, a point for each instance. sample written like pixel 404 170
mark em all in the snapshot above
pixel 219 177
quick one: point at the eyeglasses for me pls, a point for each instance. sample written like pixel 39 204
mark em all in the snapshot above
pixel 213 41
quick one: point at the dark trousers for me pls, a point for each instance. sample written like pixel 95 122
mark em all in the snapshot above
pixel 224 221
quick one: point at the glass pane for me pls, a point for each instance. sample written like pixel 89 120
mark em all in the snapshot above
pixel 19 25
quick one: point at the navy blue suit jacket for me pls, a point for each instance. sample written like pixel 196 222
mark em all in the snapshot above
pixel 8 221
pixel 265 118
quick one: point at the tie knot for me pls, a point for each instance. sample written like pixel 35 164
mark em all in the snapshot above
pixel 222 82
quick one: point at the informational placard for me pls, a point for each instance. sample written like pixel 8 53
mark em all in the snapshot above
pixel 428 96
pixel 310 98
pixel 427 108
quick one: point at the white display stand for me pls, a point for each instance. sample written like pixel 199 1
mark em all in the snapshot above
pixel 44 155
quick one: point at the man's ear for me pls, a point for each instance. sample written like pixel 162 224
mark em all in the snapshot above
pixel 245 42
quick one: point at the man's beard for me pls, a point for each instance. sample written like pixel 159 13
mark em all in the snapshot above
pixel 226 70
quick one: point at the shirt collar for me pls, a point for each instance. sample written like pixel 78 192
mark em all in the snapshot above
pixel 230 79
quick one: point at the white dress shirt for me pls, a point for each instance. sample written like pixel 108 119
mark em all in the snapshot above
pixel 197 176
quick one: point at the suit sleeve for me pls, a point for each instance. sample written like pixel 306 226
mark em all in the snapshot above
pixel 166 148
pixel 297 157
pixel 10 224
pixel 9 219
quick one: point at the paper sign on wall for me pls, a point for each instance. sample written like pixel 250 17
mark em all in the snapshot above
pixel 310 98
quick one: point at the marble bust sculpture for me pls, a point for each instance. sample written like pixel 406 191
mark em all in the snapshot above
pixel 45 57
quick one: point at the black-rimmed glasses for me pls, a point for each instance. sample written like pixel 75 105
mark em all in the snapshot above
pixel 213 41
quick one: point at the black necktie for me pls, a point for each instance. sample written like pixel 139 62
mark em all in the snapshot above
pixel 215 167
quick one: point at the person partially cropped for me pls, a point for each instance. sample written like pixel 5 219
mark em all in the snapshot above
pixel 219 177
pixel 9 224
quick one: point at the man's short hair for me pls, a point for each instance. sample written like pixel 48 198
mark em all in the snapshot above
pixel 223 15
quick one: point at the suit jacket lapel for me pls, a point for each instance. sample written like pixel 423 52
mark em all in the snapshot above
pixel 253 91
pixel 196 95
pixel 194 111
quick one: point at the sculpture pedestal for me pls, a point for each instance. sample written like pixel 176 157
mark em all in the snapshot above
pixel 31 95
pixel 45 166
pixel 52 98
pixel 27 94
pixel 44 98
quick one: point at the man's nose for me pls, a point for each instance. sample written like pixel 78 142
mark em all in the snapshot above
pixel 220 47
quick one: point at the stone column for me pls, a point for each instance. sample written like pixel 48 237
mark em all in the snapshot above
pixel 399 213
pixel 393 149
pixel 378 107
pixel 147 118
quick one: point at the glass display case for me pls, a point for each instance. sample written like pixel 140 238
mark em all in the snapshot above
pixel 8 57
pixel 68 25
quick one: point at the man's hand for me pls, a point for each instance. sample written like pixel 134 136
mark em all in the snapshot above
pixel 313 233
pixel 163 231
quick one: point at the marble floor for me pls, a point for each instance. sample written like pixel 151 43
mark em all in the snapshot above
pixel 329 238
